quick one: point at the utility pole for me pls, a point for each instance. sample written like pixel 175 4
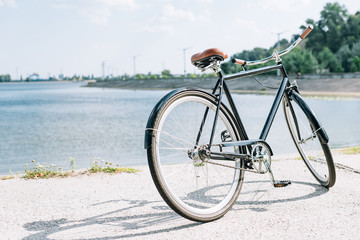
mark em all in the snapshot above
pixel 134 57
pixel 103 70
pixel 184 50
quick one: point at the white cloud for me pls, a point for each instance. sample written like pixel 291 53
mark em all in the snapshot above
pixel 248 24
pixel 127 4
pixel 8 3
pixel 64 4
pixel 99 16
pixel 206 1
pixel 170 12
pixel 204 17
pixel 99 11
pixel 159 28
pixel 284 5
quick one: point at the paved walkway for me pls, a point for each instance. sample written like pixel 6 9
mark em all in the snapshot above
pixel 128 206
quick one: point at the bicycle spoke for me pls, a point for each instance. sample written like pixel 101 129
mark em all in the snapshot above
pixel 193 182
pixel 181 141
pixel 312 150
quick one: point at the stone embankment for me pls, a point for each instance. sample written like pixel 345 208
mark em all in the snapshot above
pixel 333 85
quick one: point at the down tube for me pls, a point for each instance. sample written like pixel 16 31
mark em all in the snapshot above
pixel 274 109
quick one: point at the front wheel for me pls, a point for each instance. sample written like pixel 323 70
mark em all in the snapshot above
pixel 313 150
pixel 191 185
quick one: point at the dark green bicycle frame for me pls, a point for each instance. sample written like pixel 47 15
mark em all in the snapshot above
pixel 285 90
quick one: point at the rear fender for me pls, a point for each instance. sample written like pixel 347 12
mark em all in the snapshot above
pixel 152 118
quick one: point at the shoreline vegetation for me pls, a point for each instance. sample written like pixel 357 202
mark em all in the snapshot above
pixel 38 170
pixel 328 87
pixel 331 85
pixel 44 171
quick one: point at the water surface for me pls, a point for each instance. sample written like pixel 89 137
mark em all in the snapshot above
pixel 51 122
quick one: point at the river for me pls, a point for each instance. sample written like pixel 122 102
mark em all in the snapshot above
pixel 54 121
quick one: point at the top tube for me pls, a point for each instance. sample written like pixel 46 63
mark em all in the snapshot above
pixel 275 55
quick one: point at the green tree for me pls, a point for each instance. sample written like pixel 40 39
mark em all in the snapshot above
pixel 356 63
pixel 5 78
pixel 316 39
pixel 332 21
pixel 351 30
pixel 344 56
pixel 334 44
pixel 140 76
pixel 166 74
pixel 328 60
pixel 328 30
pixel 299 60
pixel 355 54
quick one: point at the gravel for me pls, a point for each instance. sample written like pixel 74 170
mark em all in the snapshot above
pixel 103 206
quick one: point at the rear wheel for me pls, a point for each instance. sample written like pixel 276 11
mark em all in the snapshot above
pixel 194 188
pixel 316 155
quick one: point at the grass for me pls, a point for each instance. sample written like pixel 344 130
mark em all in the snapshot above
pixel 198 164
pixel 43 171
pixel 38 170
pixel 351 150
pixel 107 167
pixel 8 177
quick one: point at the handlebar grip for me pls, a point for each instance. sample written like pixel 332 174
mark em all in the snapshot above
pixel 238 61
pixel 307 31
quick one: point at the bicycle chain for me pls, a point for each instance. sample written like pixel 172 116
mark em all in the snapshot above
pixel 223 165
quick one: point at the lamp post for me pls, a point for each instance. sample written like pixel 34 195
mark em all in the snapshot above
pixel 184 50
pixel 134 57
pixel 103 69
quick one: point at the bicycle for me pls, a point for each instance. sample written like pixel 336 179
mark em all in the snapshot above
pixel 198 149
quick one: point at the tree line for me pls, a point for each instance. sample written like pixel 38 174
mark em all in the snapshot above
pixel 5 78
pixel 332 46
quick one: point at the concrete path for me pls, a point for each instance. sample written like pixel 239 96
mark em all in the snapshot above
pixel 102 206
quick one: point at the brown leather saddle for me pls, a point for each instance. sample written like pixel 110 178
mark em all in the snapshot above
pixel 208 57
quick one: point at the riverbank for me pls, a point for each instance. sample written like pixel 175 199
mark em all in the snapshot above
pixel 105 206
pixel 314 87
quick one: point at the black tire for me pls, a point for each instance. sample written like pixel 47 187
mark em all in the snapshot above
pixel 313 150
pixel 195 189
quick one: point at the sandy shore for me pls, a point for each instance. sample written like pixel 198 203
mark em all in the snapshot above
pixel 102 206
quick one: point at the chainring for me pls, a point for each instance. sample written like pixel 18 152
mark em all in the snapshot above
pixel 261 158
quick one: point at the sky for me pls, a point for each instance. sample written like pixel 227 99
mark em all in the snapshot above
pixel 52 37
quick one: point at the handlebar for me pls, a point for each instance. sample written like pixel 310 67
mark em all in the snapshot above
pixel 307 31
pixel 275 55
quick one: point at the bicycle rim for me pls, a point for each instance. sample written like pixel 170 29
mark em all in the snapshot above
pixel 195 189
pixel 315 154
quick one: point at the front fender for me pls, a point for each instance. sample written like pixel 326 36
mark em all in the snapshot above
pixel 312 117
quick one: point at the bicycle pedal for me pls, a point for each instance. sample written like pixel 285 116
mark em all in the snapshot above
pixel 282 183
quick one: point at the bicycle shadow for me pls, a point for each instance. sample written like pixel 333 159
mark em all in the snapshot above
pixel 163 219
pixel 46 228
pixel 318 190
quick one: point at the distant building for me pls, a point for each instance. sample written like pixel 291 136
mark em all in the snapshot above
pixel 34 77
